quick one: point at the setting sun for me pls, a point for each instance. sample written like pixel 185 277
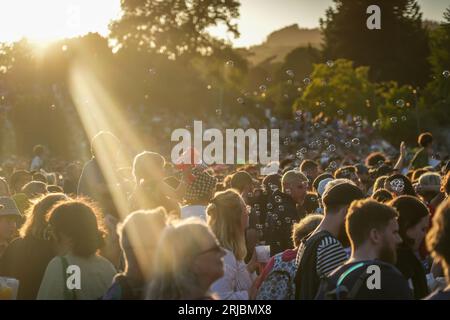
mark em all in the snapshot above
pixel 48 20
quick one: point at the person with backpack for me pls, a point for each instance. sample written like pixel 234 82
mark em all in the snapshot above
pixel 370 273
pixel 276 281
pixel 323 251
pixel 75 226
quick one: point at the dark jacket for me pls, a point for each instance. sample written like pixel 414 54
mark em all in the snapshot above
pixel 411 268
pixel 420 159
pixel 26 259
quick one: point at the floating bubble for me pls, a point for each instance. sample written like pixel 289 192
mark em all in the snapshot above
pixel 53 107
pixel 340 112
pixel 268 79
pixel 275 216
pixel 64 47
pixel 287 219
pixel 240 100
pixel 317 125
pixel 303 150
pixel 298 118
pixel 331 148
pixel 256 206
pixel 219 112
pixel 286 96
pixel 299 155
pixel 328 134
pixel 209 87
pixel 403 118
pixel 333 165
pixel 152 71
pixel 289 82
pixel 355 141
pixel 278 199
pixel 326 142
pixel 377 122
pixel 393 119
pixel 397 185
pixel 380 163
pixel 290 73
pixel 348 144
pixel 330 63
pixel 281 208
pixel 446 74
pixel 230 63
pixel 400 103
pixel 288 191
pixel 279 224
pixel 269 206
pixel 274 187
pixel 250 195
pixel 307 81
pixel 262 88
pixel 323 104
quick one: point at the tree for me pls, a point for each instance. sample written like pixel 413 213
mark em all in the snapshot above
pixel 397 51
pixel 173 27
pixel 339 86
pixel 437 93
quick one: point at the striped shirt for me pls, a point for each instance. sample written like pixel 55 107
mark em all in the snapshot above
pixel 330 255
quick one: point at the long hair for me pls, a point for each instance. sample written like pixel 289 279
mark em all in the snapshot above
pixel 35 223
pixel 80 221
pixel 139 235
pixel 225 219
pixel 173 278
pixel 411 210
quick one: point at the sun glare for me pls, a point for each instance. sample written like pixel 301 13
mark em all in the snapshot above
pixel 45 21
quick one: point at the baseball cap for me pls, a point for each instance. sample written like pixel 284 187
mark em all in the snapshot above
pixel 8 207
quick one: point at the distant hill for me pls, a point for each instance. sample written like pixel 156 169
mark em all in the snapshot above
pixel 279 43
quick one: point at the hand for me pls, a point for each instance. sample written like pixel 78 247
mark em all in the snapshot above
pixel 252 291
pixel 252 265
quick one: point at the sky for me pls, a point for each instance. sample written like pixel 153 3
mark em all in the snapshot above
pixel 46 20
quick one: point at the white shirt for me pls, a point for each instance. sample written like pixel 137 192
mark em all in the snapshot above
pixel 236 280
pixel 194 211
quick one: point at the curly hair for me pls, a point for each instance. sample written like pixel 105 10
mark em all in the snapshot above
pixel 81 222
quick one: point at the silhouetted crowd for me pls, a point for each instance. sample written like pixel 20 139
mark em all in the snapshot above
pixel 341 216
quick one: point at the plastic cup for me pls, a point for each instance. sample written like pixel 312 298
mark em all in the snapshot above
pixel 8 288
pixel 262 254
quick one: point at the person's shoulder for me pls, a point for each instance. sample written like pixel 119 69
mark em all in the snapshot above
pixel 327 240
pixel 55 265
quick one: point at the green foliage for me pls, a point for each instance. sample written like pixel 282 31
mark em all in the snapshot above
pixel 340 86
pixel 173 27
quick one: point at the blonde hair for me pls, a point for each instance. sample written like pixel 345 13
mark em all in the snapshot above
pixel 304 227
pixel 225 219
pixel 173 278
pixel 139 235
pixel 35 223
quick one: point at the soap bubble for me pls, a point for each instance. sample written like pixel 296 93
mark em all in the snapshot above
pixel 290 73
pixel 400 103
pixel 355 141
pixel 330 63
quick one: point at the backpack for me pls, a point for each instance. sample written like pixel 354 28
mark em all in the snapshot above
pixel 337 290
pixel 279 283
pixel 306 286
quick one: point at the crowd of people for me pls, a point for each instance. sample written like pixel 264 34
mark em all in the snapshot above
pixel 319 227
